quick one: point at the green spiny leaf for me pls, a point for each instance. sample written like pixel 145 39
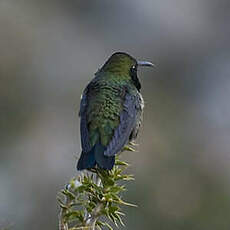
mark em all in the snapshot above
pixel 119 218
pixel 128 148
pixel 68 193
pixel 121 163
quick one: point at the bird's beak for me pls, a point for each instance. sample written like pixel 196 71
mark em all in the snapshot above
pixel 145 63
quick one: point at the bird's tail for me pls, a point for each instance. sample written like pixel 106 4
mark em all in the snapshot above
pixel 95 156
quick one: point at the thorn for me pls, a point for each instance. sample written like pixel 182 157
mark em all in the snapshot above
pixel 128 148
pixel 133 143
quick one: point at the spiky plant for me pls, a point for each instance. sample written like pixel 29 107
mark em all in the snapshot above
pixel 93 200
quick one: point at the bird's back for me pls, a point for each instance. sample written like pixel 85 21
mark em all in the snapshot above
pixel 105 103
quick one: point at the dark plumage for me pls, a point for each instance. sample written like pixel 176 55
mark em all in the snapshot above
pixel 111 110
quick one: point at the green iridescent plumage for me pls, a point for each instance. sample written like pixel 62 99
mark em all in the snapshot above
pixel 110 112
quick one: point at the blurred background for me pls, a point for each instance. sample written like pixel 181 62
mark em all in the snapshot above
pixel 50 49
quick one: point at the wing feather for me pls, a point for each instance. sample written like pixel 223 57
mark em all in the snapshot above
pixel 85 143
pixel 129 117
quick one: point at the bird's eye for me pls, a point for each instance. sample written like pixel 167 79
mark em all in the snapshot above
pixel 133 68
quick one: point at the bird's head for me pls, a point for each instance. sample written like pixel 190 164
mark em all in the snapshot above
pixel 122 64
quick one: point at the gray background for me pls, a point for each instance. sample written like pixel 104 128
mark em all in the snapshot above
pixel 49 50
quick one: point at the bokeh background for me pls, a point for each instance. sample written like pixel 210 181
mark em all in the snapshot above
pixel 49 50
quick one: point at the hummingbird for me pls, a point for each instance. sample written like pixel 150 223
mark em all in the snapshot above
pixel 111 110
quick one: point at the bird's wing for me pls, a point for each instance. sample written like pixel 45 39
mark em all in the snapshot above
pixel 86 147
pixel 129 117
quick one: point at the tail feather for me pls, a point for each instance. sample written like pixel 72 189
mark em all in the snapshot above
pixel 87 160
pixel 95 156
pixel 103 161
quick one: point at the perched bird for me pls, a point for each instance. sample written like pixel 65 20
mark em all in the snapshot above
pixel 110 111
